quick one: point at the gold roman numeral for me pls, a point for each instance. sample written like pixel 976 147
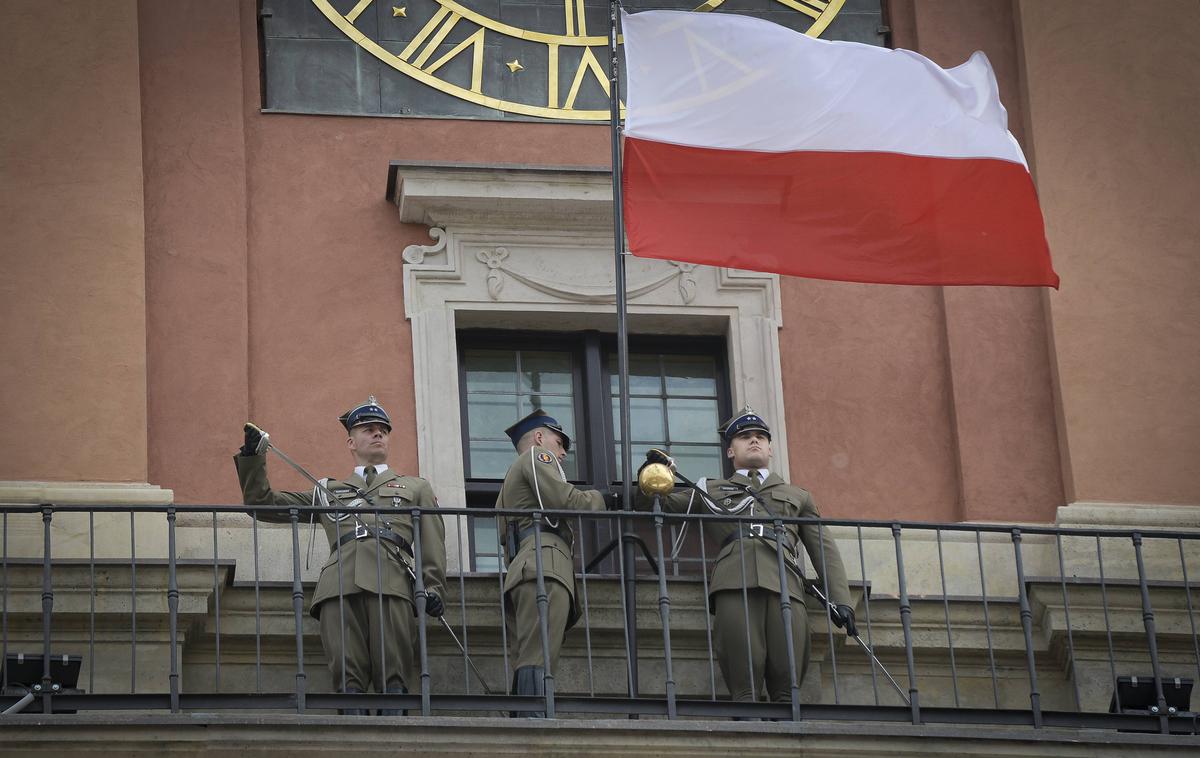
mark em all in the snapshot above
pixel 432 34
pixel 812 8
pixel 357 10
pixel 587 63
pixel 576 21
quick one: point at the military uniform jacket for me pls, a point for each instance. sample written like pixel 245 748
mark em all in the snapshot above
pixel 356 561
pixel 534 481
pixel 758 554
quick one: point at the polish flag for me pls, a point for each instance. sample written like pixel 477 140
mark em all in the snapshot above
pixel 752 146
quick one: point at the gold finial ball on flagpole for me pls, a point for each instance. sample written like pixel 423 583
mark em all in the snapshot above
pixel 656 479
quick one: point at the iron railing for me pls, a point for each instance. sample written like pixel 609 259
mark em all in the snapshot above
pixel 975 623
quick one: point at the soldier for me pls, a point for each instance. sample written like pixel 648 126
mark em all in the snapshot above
pixel 750 640
pixel 536 481
pixel 366 584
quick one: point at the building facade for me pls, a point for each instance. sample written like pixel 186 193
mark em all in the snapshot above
pixel 222 211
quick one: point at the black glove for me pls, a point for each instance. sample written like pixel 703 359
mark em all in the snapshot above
pixel 254 436
pixel 612 501
pixel 654 455
pixel 843 618
pixel 433 604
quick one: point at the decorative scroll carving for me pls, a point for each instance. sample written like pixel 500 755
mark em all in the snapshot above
pixel 415 254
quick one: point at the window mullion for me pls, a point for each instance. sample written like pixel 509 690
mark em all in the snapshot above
pixel 598 410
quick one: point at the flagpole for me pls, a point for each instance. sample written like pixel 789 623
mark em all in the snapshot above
pixel 627 535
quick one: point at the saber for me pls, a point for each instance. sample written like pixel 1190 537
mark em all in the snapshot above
pixel 812 590
pixel 265 444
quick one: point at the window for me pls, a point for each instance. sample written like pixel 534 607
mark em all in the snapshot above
pixel 678 397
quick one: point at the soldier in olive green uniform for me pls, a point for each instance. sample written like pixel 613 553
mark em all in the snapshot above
pixel 748 558
pixel 368 571
pixel 536 481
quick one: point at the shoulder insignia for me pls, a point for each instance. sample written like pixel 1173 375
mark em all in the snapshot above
pixel 545 458
pixel 729 488
pixel 394 485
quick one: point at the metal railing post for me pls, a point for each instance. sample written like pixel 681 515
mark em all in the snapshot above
pixel 132 604
pixel 543 606
pixel 173 610
pixel 987 620
pixel 217 609
pixel 862 568
pixel 1151 636
pixel 906 624
pixel 664 607
pixel 946 610
pixel 420 597
pixel 47 609
pixel 785 610
pixel 1062 578
pixel 298 611
pixel 587 620
pixel 1035 697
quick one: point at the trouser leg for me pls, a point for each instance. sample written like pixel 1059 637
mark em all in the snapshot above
pixel 394 667
pixel 779 678
pixel 393 658
pixel 741 641
pixel 345 641
pixel 527 622
pixel 343 637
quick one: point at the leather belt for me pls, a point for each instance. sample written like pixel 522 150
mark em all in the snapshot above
pixel 758 530
pixel 516 537
pixel 362 532
pixel 528 532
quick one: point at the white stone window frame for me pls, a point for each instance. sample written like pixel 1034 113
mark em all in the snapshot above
pixel 528 248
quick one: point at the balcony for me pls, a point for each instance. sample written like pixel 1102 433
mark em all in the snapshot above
pixel 989 638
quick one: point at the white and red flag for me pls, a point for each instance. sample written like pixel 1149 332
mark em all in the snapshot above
pixel 752 146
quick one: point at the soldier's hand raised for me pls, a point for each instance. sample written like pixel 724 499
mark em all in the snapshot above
pixel 256 440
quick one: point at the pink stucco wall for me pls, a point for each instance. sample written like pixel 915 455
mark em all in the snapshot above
pixel 1112 114
pixel 72 294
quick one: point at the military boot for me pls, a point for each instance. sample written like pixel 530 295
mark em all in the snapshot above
pixel 352 711
pixel 528 680
pixel 395 689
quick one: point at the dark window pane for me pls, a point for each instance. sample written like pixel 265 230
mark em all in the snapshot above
pixel 695 461
pixel 543 372
pixel 490 459
pixel 489 415
pixel 639 455
pixel 645 420
pixel 484 534
pixel 490 370
pixel 692 420
pixel 644 378
pixel 690 375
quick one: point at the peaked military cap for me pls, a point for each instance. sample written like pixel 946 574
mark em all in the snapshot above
pixel 536 420
pixel 370 412
pixel 746 420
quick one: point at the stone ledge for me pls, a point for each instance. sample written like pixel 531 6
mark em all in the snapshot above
pixel 84 493
pixel 250 735
pixel 1148 515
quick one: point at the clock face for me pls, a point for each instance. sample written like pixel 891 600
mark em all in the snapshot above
pixel 546 59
